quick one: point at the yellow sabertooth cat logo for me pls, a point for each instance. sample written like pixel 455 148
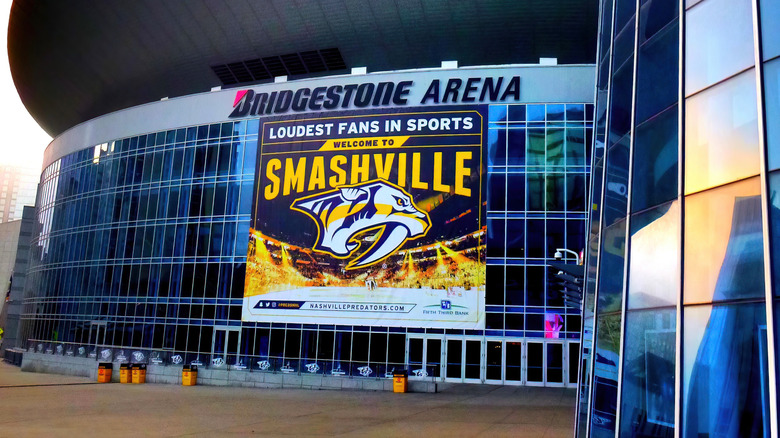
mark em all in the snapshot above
pixel 342 213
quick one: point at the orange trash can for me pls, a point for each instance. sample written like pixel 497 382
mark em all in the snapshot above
pixel 104 372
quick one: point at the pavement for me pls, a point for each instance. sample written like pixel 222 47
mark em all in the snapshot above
pixel 33 404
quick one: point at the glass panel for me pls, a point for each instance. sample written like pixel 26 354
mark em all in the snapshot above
pixel 554 363
pixel 772 105
pixel 724 251
pixel 497 147
pixel 454 358
pixel 514 354
pixel 724 382
pixel 647 407
pixel 535 362
pixel 494 354
pixel 516 147
pixel 657 74
pixel 604 405
pixel 473 359
pixel 574 360
pixel 721 134
pixel 655 161
pixel 770 28
pixel 415 355
pixel 654 266
pixel 706 42
pixel 774 227
pixel 433 358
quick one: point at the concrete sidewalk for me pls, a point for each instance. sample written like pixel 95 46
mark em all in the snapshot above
pixel 65 408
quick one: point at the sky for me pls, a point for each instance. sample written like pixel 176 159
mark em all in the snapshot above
pixel 23 141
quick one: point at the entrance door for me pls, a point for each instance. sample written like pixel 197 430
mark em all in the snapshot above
pixel 97 336
pixel 534 357
pixel 224 346
pixel 494 361
pixel 464 360
pixel 513 373
pixel 424 356
pixel 553 364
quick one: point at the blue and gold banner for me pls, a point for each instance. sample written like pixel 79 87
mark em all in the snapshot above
pixel 370 219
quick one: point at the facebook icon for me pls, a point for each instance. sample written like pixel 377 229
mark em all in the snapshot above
pixel 446 304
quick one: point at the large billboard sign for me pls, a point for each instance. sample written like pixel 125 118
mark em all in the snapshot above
pixel 370 218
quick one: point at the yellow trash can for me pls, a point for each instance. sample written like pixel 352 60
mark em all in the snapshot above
pixel 400 381
pixel 125 373
pixel 189 375
pixel 104 372
pixel 139 373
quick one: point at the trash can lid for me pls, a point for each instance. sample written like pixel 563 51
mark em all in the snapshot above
pixel 400 373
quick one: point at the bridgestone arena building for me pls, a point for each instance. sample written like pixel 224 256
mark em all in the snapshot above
pixel 302 223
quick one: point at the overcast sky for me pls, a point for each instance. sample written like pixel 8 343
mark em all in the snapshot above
pixel 23 141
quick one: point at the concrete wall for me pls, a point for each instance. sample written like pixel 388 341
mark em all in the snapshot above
pixel 85 367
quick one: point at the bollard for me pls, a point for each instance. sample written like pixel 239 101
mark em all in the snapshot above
pixel 189 375
pixel 125 374
pixel 104 372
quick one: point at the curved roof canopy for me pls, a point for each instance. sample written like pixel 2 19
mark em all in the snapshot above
pixel 76 60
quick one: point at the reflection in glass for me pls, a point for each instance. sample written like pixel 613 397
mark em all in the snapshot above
pixel 706 43
pixel 724 252
pixel 654 266
pixel 616 195
pixel 721 134
pixel 605 376
pixel 774 227
pixel 655 161
pixel 770 28
pixel 613 248
pixel 656 81
pixel 724 370
pixel 772 105
pixel 647 407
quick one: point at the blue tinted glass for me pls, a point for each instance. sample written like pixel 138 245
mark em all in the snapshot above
pixel 610 288
pixel 496 191
pixel 705 42
pixel 515 238
pixel 497 113
pixel 252 127
pixel 770 28
pixel 647 409
pixel 725 370
pixel 555 112
pixel 535 113
pixel 604 404
pixel 772 102
pixel 495 238
pixel 575 112
pixel 620 111
pixel 497 147
pixel 517 113
pixel 494 293
pixel 774 226
pixel 535 192
pixel 516 147
pixel 615 201
pixel 516 192
pixel 656 81
pixel 655 161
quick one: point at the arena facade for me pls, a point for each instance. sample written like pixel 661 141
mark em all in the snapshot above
pixel 306 216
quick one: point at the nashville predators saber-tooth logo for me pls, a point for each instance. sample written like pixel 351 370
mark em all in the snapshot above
pixel 342 213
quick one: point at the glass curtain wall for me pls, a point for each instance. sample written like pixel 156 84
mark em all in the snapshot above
pixel 685 222
pixel 141 246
